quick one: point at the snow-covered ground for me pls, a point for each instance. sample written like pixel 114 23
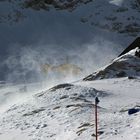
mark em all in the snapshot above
pixel 66 111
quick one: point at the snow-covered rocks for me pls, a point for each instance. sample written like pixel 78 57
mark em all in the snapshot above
pixel 119 16
pixel 127 65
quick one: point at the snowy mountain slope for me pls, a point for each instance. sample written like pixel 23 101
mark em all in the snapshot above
pixel 118 16
pixel 125 65
pixel 51 114
pixel 66 112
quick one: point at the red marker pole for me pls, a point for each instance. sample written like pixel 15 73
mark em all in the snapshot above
pixel 96 117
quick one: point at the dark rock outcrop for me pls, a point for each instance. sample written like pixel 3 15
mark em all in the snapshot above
pixel 132 46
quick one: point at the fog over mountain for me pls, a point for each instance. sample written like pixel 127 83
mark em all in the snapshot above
pixel 58 37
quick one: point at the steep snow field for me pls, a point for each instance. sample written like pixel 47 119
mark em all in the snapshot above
pixel 66 111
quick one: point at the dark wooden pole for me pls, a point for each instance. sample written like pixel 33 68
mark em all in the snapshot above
pixel 96 117
pixel 96 122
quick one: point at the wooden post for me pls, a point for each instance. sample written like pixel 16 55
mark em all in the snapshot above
pixel 96 117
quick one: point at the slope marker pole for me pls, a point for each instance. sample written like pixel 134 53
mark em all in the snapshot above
pixel 96 117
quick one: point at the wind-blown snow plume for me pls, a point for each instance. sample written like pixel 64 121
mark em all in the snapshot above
pixel 117 2
pixel 55 64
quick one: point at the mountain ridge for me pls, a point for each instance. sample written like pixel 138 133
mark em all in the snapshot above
pixel 126 65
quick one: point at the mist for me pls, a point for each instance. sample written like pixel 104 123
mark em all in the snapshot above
pixel 25 63
pixel 54 39
pixel 25 75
